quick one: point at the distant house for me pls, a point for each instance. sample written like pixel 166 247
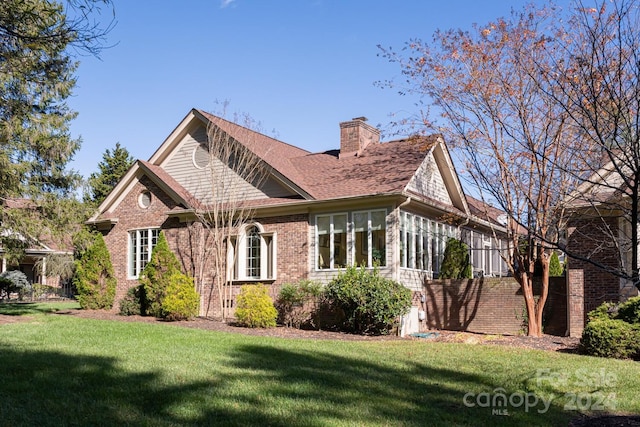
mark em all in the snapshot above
pixel 34 261
pixel 393 204
pixel 598 244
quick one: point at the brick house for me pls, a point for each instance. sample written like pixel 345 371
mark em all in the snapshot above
pixel 598 245
pixel 393 204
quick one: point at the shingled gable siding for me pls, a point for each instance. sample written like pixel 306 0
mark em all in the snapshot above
pixel 487 305
pixel 428 181
pixel 130 217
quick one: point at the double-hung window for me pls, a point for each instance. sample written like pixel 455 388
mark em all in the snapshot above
pixel 141 244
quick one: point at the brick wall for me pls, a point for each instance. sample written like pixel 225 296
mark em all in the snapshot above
pixel 291 232
pixel 130 217
pixel 487 305
pixel 292 257
pixel 591 238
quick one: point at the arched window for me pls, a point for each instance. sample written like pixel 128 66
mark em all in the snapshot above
pixel 253 254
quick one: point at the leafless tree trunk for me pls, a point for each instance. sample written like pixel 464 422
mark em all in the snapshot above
pixel 500 122
pixel 235 177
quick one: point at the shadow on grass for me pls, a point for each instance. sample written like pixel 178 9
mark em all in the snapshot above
pixel 286 388
pixel 25 308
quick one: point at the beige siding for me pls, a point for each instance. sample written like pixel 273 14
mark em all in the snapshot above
pixel 198 180
pixel 428 181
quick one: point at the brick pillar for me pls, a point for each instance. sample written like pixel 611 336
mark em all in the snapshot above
pixel 575 302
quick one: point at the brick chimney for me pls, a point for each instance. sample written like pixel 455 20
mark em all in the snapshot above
pixel 355 135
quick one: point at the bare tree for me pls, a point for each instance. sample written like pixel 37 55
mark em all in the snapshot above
pixel 236 173
pixel 593 66
pixel 502 125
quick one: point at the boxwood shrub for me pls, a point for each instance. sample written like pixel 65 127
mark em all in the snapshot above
pixel 611 338
pixel 371 303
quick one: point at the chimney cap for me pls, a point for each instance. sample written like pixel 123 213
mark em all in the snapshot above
pixel 361 118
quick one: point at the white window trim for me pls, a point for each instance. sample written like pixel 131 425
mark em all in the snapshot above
pixel 135 268
pixel 237 259
pixel 352 234
pixel 331 242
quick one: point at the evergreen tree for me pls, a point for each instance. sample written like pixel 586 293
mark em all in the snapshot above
pixel 156 276
pixel 455 264
pixel 555 268
pixel 115 163
pixel 36 77
pixel 94 277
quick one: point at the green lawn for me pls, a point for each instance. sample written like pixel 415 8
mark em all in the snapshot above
pixel 63 370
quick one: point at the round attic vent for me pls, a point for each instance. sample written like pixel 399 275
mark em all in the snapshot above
pixel 144 199
pixel 200 157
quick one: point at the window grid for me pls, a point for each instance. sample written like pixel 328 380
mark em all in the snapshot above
pixel 141 244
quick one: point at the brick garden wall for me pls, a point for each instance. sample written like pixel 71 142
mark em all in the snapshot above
pixel 591 238
pixel 488 305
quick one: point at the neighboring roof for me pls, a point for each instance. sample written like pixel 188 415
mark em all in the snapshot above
pixel 43 244
pixel 485 211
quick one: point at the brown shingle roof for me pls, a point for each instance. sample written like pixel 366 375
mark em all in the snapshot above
pixel 380 169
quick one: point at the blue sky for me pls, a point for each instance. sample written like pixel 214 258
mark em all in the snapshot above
pixel 298 66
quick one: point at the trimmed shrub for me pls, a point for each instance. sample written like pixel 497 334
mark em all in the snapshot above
pixel 606 310
pixel 255 307
pixel 94 278
pixel 611 338
pixel 155 276
pixel 131 304
pixel 629 311
pixel 181 302
pixel 14 281
pixel 555 268
pixel 455 264
pixel 297 303
pixel 371 304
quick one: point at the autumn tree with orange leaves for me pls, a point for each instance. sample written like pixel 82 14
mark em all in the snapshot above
pixel 503 125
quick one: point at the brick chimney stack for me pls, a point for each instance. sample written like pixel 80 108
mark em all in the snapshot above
pixel 355 135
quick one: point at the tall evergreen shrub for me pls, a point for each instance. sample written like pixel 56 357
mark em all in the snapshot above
pixel 94 277
pixel 456 264
pixel 155 277
pixel 555 268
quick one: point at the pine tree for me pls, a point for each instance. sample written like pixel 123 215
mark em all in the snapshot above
pixel 36 77
pixel 115 163
pixel 155 277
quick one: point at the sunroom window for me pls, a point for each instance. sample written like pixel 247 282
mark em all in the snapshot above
pixel 331 241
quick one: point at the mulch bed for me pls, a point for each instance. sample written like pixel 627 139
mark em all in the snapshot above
pixel 546 342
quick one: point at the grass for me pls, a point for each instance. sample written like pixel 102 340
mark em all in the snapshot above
pixel 63 370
